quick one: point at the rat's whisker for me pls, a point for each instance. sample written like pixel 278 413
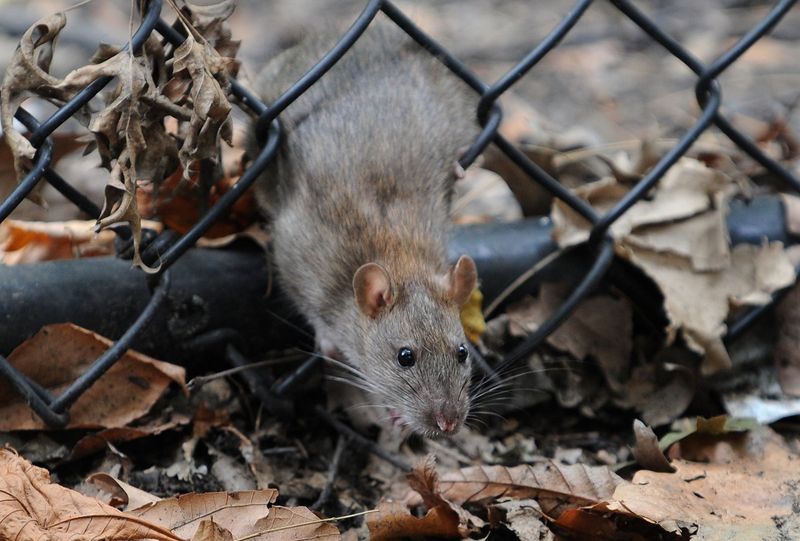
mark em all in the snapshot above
pixel 345 366
pixel 289 324
pixel 350 382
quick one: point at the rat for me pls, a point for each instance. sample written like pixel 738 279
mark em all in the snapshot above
pixel 358 197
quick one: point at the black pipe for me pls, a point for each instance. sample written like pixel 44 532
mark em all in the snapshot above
pixel 227 288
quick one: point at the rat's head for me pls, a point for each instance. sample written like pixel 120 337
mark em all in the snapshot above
pixel 414 354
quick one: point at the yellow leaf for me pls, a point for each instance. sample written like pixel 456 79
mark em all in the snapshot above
pixel 472 316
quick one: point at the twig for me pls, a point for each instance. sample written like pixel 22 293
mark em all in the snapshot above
pixel 522 278
pixel 199 381
pixel 452 453
pixel 362 441
pixel 180 113
pixel 310 522
pixel 333 469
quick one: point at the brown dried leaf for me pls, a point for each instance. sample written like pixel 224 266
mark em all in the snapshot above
pixel 211 109
pixel 752 495
pixel 555 486
pixel 590 525
pixel 56 355
pixel 294 524
pixel 34 508
pixel 523 517
pixel 26 75
pixel 393 521
pixel 660 390
pixel 787 347
pixel 33 242
pixel 209 20
pixel 601 327
pixel 178 204
pixel 234 511
pixel 689 189
pixel 698 303
pixel 122 494
pixel 119 206
pixel 241 513
pixel 97 441
pixel 647 451
pixel 679 239
pixel 425 481
pixel 211 531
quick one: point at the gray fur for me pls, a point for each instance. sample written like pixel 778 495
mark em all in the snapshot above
pixel 365 174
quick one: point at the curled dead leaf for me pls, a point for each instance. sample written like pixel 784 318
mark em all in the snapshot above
pixel 33 507
pixel 124 393
pixel 554 486
pixel 122 494
pixel 393 521
pixel 28 74
pixel 210 120
pixel 646 451
pixel 753 494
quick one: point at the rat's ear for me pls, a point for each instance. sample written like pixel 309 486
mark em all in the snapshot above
pixel 462 279
pixel 373 290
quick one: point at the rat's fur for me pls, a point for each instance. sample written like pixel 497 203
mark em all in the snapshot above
pixel 365 174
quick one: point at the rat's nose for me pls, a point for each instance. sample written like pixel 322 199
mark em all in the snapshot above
pixel 447 423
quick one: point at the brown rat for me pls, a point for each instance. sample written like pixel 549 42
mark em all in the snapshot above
pixel 359 197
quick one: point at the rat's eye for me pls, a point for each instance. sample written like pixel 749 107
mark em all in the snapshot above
pixel 405 356
pixel 462 353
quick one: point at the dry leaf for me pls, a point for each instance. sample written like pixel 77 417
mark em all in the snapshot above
pixel 130 132
pixel 33 508
pixel 688 189
pixel 241 513
pixel 179 205
pixel 294 524
pixel 601 327
pixel 647 451
pixel 97 441
pixel 122 494
pixel 523 517
pixel 27 73
pixel 393 521
pixel 718 439
pixel 211 531
pixel 210 108
pixel 235 511
pixel 754 495
pixel 698 303
pixel 210 20
pixel 34 242
pixel 678 237
pixel 787 347
pixel 472 317
pixel 56 355
pixel 661 390
pixel 425 481
pixel 554 486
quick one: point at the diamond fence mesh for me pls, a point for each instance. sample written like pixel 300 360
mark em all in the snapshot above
pixel 54 410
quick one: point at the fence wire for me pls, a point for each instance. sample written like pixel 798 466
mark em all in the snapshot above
pixel 54 410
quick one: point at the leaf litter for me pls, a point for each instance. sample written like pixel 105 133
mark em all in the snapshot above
pixel 131 132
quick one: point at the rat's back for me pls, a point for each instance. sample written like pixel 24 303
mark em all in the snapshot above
pixel 369 152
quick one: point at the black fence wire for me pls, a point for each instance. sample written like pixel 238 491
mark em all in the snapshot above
pixel 54 410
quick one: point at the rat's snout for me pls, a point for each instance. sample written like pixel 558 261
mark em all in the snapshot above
pixel 447 419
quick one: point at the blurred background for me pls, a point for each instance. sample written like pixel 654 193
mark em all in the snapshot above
pixel 606 84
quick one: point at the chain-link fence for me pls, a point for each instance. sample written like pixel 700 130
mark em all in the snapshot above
pixel 169 247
